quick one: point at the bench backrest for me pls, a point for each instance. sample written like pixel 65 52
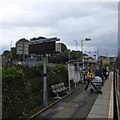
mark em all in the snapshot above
pixel 53 88
pixel 58 86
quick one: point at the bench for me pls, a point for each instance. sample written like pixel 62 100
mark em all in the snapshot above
pixel 58 88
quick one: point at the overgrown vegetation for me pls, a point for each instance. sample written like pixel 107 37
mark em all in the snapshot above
pixel 22 88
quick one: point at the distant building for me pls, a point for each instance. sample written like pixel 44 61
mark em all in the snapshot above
pixel 106 60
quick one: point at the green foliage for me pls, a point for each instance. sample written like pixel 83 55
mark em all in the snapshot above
pixel 23 40
pixel 12 91
pixel 14 56
pixel 6 54
pixel 10 74
pixel 23 88
pixel 60 58
pixel 75 54
pixel 56 74
pixel 63 47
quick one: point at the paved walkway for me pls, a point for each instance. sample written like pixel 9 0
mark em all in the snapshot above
pixel 82 104
pixel 103 106
pixel 75 105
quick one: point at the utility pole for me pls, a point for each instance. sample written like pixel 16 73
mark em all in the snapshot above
pixel 77 54
pixel 11 51
pixel 69 54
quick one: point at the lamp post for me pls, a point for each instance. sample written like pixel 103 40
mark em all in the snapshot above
pixel 86 39
pixel 11 51
pixel 77 54
pixel 69 54
pixel 76 45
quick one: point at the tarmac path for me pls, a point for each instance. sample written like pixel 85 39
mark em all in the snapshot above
pixel 76 105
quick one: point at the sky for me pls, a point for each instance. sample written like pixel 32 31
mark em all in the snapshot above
pixel 70 21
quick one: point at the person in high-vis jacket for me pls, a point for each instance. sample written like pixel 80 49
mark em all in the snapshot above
pixel 90 77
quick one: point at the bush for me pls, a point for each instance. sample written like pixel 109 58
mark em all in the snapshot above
pixel 13 92
pixel 56 74
pixel 23 88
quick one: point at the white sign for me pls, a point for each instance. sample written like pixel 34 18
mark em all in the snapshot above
pixel 58 47
pixel 71 71
pixel 76 77
pixel 22 48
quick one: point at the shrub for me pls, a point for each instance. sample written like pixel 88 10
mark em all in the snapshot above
pixel 12 91
pixel 23 88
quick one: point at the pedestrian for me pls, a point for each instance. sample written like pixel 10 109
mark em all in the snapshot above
pixel 89 78
pixel 104 72
pixel 107 72
pixel 100 74
pixel 84 75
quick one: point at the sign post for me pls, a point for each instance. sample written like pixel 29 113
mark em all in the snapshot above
pixel 44 82
pixel 43 47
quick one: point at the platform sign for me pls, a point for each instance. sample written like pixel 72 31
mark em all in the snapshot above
pixel 45 48
pixel 42 48
pixel 22 48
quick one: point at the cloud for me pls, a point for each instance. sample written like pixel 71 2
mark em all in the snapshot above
pixel 68 21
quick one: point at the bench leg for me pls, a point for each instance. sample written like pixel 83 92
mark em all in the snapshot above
pixel 57 96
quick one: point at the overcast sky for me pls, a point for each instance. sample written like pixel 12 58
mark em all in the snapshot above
pixel 69 21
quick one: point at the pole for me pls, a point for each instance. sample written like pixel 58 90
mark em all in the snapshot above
pixel 23 52
pixel 98 55
pixel 77 55
pixel 69 85
pixel 69 55
pixel 44 82
pixel 82 55
pixel 10 51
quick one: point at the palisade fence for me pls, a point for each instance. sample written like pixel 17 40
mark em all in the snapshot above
pixel 22 88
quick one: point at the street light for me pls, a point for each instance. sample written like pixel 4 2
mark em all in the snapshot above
pixel 86 39
pixel 69 54
pixel 77 54
pixel 11 51
pixel 76 45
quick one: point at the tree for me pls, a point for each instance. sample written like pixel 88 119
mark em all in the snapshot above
pixel 6 55
pixel 63 47
pixel 76 55
pixel 13 53
pixel 23 40
pixel 40 37
pixel 62 57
